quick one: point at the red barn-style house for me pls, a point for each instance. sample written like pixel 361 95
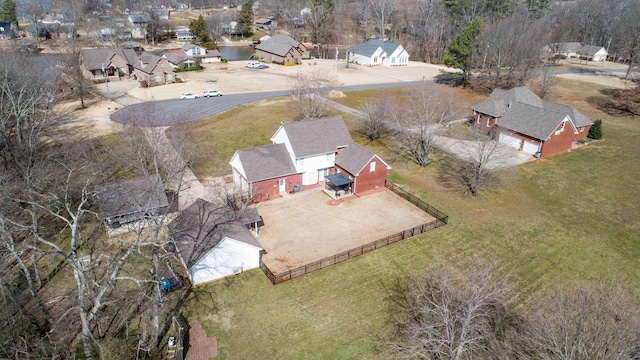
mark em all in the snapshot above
pixel 520 119
pixel 307 153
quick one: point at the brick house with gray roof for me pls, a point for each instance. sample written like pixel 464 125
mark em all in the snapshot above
pixel 152 70
pixel 114 61
pixel 281 49
pixel 520 119
pixel 306 153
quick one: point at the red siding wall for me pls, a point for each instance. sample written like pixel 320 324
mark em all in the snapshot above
pixel 558 143
pixel 263 190
pixel 583 134
pixel 480 125
pixel 367 181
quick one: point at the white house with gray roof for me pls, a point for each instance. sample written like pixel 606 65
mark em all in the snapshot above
pixel 576 50
pixel 214 242
pixel 376 52
pixel 305 153
pixel 520 119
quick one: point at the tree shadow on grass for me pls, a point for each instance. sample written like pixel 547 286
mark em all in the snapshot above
pixel 617 102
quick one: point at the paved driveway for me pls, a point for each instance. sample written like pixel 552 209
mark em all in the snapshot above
pixel 503 156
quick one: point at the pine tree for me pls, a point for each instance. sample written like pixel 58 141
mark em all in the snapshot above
pixel 199 30
pixel 596 130
pixel 8 12
pixel 245 22
pixel 458 54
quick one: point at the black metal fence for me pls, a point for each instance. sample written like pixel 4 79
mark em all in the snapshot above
pixel 417 202
pixel 441 219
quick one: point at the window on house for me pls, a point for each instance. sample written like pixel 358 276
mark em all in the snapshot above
pixel 582 129
pixel 489 121
pixel 558 132
pixel 372 166
pixel 375 59
pixel 159 78
pixel 478 119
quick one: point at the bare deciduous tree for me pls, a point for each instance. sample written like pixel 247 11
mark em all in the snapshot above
pixel 472 170
pixel 309 88
pixel 377 117
pixel 586 322
pixel 420 121
pixel 450 312
pixel 383 12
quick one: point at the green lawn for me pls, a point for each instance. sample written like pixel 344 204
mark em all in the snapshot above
pixel 572 217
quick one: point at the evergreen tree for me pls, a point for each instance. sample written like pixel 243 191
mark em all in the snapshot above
pixel 596 130
pixel 8 12
pixel 458 54
pixel 245 22
pixel 199 30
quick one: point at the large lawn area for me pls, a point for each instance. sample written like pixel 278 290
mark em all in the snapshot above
pixel 570 218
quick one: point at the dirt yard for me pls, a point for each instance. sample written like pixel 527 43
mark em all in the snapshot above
pixel 303 228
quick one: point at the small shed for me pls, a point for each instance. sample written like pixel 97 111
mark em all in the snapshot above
pixel 131 200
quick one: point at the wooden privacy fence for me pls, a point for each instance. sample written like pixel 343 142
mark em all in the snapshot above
pixel 441 219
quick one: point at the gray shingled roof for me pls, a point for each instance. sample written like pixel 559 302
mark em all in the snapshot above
pixel 369 47
pixel 131 196
pixel 150 60
pixel 317 136
pixel 279 44
pixel 201 226
pixel 536 122
pixel 176 58
pixel 354 158
pixel 498 101
pixel 522 111
pixel 266 162
pixel 93 59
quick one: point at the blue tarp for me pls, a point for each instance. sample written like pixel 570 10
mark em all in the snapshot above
pixel 339 179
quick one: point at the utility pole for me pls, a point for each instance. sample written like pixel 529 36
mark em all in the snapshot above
pixel 106 81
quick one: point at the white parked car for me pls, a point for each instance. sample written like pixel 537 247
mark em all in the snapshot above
pixel 211 93
pixel 189 95
pixel 254 64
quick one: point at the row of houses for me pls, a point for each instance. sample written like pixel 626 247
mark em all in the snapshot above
pixel 102 63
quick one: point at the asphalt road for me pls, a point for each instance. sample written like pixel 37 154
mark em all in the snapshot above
pixel 173 112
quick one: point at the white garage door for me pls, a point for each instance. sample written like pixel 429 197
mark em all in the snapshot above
pixel 531 147
pixel 510 140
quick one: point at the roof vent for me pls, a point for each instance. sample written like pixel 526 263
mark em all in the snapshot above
pixel 509 106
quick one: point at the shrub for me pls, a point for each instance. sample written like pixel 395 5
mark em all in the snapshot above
pixel 596 130
pixel 191 68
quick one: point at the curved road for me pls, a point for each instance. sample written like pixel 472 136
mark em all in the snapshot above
pixel 173 112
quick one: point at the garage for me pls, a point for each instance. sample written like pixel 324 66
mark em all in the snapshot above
pixel 531 147
pixel 510 140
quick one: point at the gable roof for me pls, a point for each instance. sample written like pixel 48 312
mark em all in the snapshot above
pixel 93 59
pixel 354 158
pixel 369 47
pixel 148 62
pixel 176 58
pixel 575 47
pixel 279 45
pixel 522 111
pixel 131 196
pixel 317 136
pixel 201 226
pixel 266 162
